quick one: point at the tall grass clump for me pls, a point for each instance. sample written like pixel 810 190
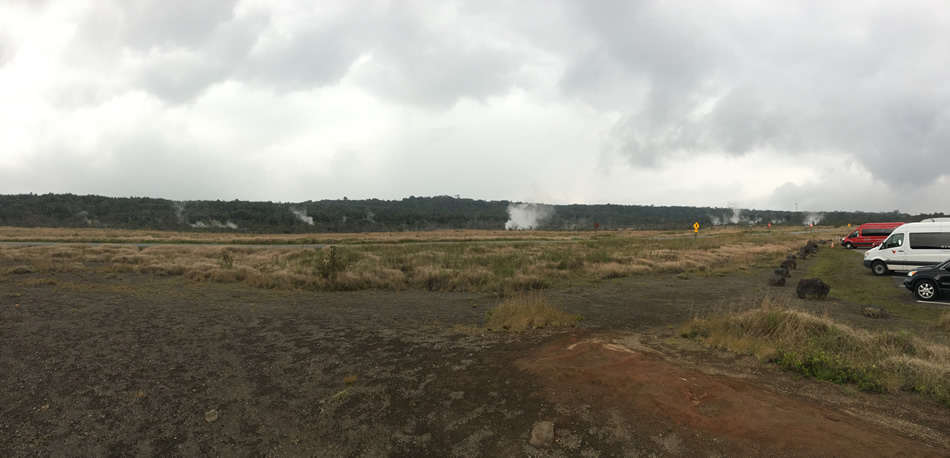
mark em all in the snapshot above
pixel 528 311
pixel 819 347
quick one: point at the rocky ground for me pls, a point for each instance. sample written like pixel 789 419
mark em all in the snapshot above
pixel 93 364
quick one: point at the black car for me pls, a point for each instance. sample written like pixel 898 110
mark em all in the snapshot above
pixel 927 282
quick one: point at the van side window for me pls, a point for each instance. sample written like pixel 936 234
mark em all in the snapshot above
pixel 894 241
pixel 930 240
pixel 854 234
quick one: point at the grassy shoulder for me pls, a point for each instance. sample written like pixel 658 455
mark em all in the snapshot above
pixel 819 347
pixel 844 270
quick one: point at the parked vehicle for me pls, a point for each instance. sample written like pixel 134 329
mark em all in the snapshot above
pixel 910 247
pixel 928 282
pixel 869 235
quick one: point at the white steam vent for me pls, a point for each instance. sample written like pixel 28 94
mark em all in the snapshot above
pixel 302 215
pixel 813 218
pixel 527 216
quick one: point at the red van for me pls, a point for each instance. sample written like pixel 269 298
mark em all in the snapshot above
pixel 869 235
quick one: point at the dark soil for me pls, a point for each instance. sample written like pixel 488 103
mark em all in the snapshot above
pixel 112 365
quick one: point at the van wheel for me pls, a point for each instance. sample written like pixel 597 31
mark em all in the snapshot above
pixel 925 290
pixel 879 268
pixel 848 245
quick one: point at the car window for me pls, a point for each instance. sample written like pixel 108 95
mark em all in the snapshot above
pixel 895 240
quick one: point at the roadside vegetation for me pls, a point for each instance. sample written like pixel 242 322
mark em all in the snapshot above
pixel 819 347
pixel 528 311
pixel 851 281
pixel 446 261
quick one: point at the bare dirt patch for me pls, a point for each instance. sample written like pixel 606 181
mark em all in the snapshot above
pixel 685 408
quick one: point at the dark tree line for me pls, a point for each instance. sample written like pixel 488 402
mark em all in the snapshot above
pixel 409 214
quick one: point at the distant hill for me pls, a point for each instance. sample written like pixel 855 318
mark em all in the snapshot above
pixel 409 214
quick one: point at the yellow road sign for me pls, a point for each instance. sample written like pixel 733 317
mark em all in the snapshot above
pixel 696 225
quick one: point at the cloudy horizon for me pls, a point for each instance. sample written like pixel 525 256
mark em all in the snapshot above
pixel 799 105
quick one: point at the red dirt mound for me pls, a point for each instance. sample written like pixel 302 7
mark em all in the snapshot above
pixel 741 415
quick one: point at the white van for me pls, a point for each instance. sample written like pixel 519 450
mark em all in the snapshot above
pixel 910 247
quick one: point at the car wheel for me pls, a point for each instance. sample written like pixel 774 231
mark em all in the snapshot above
pixel 848 245
pixel 925 290
pixel 879 268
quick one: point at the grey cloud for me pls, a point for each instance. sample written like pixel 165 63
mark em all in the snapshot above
pixel 171 23
pixel 181 74
pixel 440 77
pixel 145 162
pixel 852 83
pixel 416 58
pixel 634 41
pixel 179 79
pixel 312 58
pixel 654 69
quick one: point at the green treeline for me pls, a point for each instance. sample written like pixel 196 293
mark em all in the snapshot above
pixel 409 214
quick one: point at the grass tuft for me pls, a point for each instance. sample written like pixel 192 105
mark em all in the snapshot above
pixel 341 395
pixel 528 311
pixel 20 270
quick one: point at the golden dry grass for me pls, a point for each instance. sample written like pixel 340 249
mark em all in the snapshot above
pixel 77 235
pixel 444 261
pixel 528 311
pixel 818 346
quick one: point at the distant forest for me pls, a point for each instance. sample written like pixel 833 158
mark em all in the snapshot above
pixel 374 215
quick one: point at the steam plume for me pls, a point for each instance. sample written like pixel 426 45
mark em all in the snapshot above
pixel 302 215
pixel 527 216
pixel 225 225
pixel 85 216
pixel 179 211
pixel 813 218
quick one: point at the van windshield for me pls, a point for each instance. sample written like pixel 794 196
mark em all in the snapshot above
pixel 895 240
pixel 854 234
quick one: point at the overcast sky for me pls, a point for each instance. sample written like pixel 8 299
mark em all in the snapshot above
pixel 840 105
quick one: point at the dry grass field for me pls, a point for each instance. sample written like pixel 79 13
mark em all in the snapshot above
pixel 67 235
pixel 497 262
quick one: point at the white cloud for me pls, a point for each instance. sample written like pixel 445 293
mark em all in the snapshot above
pixel 832 106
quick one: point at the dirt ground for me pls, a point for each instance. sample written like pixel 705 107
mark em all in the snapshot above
pixel 116 365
